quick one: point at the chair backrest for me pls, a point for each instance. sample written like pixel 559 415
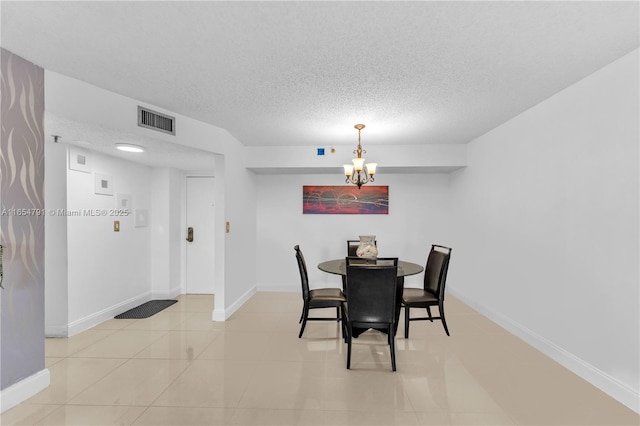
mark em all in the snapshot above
pixel 352 246
pixel 435 273
pixel 304 276
pixel 371 289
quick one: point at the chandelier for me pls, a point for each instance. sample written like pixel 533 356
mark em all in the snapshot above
pixel 358 173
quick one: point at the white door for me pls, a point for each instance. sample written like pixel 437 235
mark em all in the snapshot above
pixel 200 240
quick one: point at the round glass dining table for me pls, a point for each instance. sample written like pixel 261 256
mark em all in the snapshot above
pixel 338 267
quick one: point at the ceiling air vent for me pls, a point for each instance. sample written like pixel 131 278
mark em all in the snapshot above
pixel 156 121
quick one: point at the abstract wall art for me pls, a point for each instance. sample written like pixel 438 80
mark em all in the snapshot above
pixel 345 200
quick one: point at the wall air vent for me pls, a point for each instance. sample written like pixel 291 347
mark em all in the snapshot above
pixel 156 121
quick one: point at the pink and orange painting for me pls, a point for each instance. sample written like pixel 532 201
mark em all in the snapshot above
pixel 345 200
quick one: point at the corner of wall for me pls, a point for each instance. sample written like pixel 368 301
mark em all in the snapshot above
pixel 224 314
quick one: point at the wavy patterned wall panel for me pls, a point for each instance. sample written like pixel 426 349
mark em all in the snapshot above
pixel 21 220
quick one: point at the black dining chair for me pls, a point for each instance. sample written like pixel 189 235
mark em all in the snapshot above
pixel 432 293
pixel 318 298
pixel 352 246
pixel 371 298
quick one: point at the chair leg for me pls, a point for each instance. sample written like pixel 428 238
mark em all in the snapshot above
pixel 406 321
pixel 429 312
pixel 392 347
pixel 444 322
pixel 305 314
pixel 349 346
pixel 344 323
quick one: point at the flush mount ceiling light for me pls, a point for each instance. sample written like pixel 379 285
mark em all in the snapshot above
pixel 358 173
pixel 129 147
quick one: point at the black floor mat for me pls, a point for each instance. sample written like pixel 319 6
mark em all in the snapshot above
pixel 146 309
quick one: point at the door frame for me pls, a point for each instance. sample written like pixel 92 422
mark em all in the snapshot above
pixel 220 311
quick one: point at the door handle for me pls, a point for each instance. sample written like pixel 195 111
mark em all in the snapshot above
pixel 190 234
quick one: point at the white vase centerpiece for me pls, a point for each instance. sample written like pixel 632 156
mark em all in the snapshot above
pixel 367 246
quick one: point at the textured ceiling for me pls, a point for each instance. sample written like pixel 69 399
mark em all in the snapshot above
pixel 303 73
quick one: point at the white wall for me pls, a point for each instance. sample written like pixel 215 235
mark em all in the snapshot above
pixel 166 233
pixel 56 306
pixel 546 227
pixel 240 242
pixel 176 232
pixel 159 238
pixel 419 215
pixel 107 269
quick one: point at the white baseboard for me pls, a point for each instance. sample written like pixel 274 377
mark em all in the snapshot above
pixel 224 314
pixel 218 315
pixel 24 389
pixel 56 330
pixel 94 319
pixel 609 385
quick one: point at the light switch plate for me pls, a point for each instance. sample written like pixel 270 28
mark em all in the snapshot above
pixel 116 226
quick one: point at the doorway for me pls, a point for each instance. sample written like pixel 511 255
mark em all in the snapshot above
pixel 200 241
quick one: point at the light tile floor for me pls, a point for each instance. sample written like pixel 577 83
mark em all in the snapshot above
pixel 180 368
